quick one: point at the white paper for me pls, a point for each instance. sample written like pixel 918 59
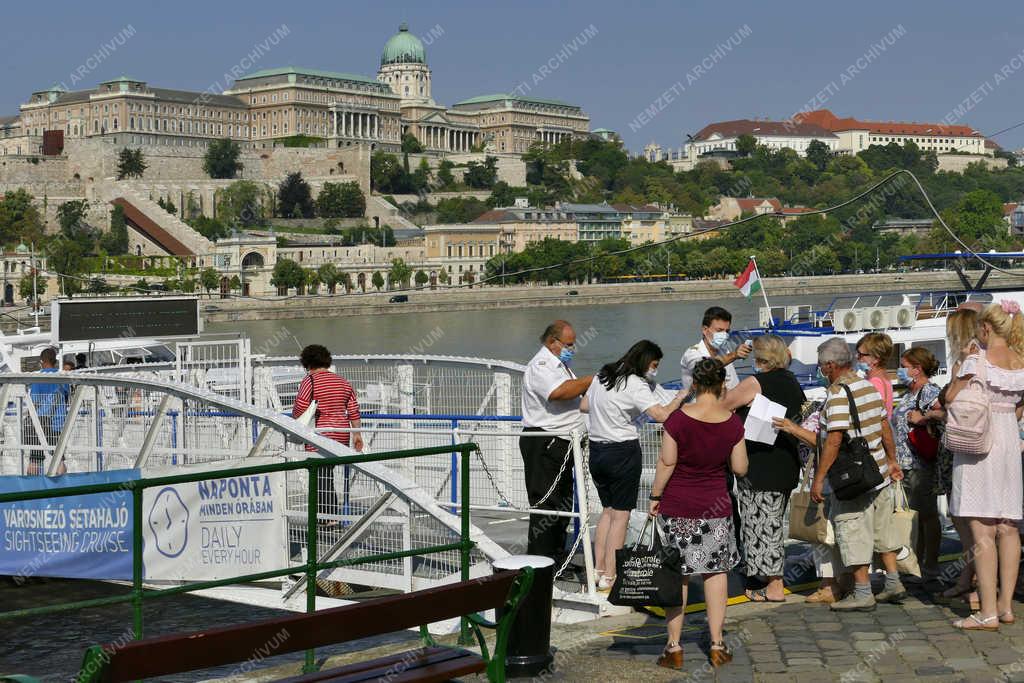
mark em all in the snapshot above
pixel 758 426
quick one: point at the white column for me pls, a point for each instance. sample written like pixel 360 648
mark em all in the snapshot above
pixel 376 126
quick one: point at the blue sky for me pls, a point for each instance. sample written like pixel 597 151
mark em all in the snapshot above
pixel 955 60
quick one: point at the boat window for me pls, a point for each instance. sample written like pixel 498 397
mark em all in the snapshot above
pixel 159 354
pixel 937 347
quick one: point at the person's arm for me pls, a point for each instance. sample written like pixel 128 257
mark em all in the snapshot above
pixel 303 398
pixel 663 472
pixel 738 461
pixel 889 444
pixel 357 438
pixel 585 403
pixel 742 394
pixel 960 381
pixel 792 428
pixel 742 351
pixel 660 413
pixel 354 420
pixel 571 388
pixel 828 456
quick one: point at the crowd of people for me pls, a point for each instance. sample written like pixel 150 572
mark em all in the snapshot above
pixel 721 500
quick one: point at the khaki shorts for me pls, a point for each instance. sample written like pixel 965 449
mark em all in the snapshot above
pixel 863 526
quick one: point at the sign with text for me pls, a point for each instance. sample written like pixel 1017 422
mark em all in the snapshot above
pixel 82 537
pixel 215 529
pixel 125 317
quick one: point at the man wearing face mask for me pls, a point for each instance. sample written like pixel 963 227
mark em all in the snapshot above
pixel 714 334
pixel 551 403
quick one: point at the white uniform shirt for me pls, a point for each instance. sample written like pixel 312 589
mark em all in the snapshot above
pixel 690 359
pixel 545 373
pixel 612 413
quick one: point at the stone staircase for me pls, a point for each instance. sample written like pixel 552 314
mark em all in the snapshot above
pixel 169 223
pixel 388 212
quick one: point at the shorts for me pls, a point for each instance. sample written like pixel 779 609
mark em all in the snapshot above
pixel 863 526
pixel 919 483
pixel 616 468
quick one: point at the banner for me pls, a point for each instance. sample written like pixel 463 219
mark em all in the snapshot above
pixel 214 529
pixel 82 537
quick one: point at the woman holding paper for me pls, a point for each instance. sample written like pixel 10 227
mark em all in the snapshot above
pixel 773 391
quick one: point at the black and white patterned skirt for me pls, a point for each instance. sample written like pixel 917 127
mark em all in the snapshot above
pixel 706 546
pixel 762 529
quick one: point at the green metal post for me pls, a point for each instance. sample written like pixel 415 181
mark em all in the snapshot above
pixel 465 637
pixel 137 560
pixel 312 557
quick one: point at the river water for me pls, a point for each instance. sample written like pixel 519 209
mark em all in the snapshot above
pixel 604 332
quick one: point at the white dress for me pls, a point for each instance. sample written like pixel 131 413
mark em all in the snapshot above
pixel 991 486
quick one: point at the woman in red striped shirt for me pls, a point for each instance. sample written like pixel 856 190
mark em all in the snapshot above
pixel 336 407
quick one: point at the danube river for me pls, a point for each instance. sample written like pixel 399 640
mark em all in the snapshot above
pixel 604 332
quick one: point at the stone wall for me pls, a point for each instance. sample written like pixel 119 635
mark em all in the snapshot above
pixel 958 163
pixel 30 169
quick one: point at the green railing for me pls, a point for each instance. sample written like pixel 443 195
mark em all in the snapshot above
pixel 310 568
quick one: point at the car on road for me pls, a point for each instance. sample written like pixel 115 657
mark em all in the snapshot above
pixel 667 289
pixel 399 299
pixel 572 292
pixel 210 308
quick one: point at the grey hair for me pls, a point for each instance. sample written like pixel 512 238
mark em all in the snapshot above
pixel 553 331
pixel 835 350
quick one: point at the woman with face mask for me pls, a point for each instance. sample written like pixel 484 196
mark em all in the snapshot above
pixel 987 490
pixel 916 454
pixel 621 395
pixel 873 353
pixel 773 473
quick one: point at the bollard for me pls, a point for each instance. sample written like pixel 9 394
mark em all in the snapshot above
pixel 529 645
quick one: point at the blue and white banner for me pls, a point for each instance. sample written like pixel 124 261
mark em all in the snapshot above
pixel 82 537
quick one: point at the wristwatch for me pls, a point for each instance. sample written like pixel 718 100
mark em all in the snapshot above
pixel 653 497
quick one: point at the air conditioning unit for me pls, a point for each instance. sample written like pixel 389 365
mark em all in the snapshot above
pixel 799 314
pixel 903 316
pixel 877 318
pixel 848 319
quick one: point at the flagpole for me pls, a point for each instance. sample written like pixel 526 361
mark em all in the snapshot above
pixel 764 292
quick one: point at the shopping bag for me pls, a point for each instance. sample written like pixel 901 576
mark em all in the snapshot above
pixel 807 519
pixel 904 531
pixel 647 576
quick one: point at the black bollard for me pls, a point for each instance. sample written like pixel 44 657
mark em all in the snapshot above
pixel 529 646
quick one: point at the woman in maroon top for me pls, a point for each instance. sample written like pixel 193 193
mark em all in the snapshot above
pixel 700 442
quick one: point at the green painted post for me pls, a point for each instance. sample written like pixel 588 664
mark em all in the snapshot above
pixel 312 558
pixel 465 637
pixel 137 559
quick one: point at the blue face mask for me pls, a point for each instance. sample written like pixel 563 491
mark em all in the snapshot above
pixel 903 375
pixel 565 355
pixel 861 366
pixel 718 339
pixel 823 380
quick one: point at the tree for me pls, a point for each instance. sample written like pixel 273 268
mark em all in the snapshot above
pixel 287 274
pixel 818 154
pixel 71 217
pixel 115 241
pixel 341 200
pixel 130 163
pixel 209 278
pixel 294 198
pixel 459 209
pixel 20 220
pixel 746 144
pixel 188 285
pixel 410 144
pixel 167 205
pixel 29 284
pixel 377 280
pixel 312 281
pixel 329 275
pixel 421 279
pixel 66 258
pixel 235 283
pixel 442 276
pixel 241 204
pixel 445 179
pixel 482 176
pixel 221 159
pixel 98 285
pixel 346 280
pixel 421 176
pixel 387 174
pixel 399 272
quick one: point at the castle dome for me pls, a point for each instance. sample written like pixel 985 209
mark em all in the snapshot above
pixel 403 48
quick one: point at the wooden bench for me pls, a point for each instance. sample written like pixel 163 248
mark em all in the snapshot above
pixel 179 653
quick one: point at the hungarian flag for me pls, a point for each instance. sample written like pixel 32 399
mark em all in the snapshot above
pixel 749 281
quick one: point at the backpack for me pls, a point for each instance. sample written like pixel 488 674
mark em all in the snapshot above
pixel 967 416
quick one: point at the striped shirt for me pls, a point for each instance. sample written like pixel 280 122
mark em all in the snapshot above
pixel 335 400
pixel 835 417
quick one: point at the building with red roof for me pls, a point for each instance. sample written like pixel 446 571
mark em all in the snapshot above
pixel 856 135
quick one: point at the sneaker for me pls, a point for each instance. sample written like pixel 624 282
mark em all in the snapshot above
pixel 852 603
pixel 895 596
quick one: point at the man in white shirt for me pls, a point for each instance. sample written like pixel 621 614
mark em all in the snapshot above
pixel 714 333
pixel 551 403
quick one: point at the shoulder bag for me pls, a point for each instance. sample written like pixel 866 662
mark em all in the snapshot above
pixel 311 413
pixel 808 520
pixel 855 471
pixel 923 438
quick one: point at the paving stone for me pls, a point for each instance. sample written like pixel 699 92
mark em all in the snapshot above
pixel 933 670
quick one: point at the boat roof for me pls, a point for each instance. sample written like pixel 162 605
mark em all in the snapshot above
pixel 990 255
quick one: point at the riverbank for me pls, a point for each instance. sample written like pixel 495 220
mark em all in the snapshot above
pixel 218 310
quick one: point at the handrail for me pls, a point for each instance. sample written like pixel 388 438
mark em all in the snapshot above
pixel 310 568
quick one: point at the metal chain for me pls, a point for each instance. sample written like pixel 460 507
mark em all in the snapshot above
pixel 554 484
pixel 584 514
pixel 490 478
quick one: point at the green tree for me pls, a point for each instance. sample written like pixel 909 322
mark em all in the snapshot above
pixel 818 154
pixel 387 174
pixel 235 283
pixel 188 285
pixel 66 258
pixel 445 178
pixel 377 280
pixel 130 163
pixel 115 241
pixel 210 228
pixel 459 209
pixel 399 273
pixel 294 198
pixel 241 204
pixel 421 279
pixel 482 176
pixel 746 144
pixel 442 276
pixel 221 159
pixel 346 281
pixel 341 200
pixel 71 217
pixel 410 144
pixel 167 205
pixel 329 275
pixel 98 285
pixel 287 274
pixel 421 176
pixel 29 284
pixel 209 278
pixel 312 281
pixel 20 220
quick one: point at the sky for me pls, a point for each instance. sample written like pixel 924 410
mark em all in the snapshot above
pixel 651 71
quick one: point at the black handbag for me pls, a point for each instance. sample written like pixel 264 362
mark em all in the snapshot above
pixel 647 577
pixel 855 471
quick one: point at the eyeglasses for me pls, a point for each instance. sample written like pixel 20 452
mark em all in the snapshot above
pixel 863 355
pixel 571 347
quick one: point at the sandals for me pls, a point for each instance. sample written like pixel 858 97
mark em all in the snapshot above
pixel 719 654
pixel 671 659
pixel 975 623
pixel 605 583
pixel 1007 617
pixel 760 595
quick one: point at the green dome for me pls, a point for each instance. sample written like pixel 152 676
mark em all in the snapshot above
pixel 403 48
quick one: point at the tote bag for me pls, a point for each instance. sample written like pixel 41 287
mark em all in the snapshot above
pixel 807 519
pixel 647 576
